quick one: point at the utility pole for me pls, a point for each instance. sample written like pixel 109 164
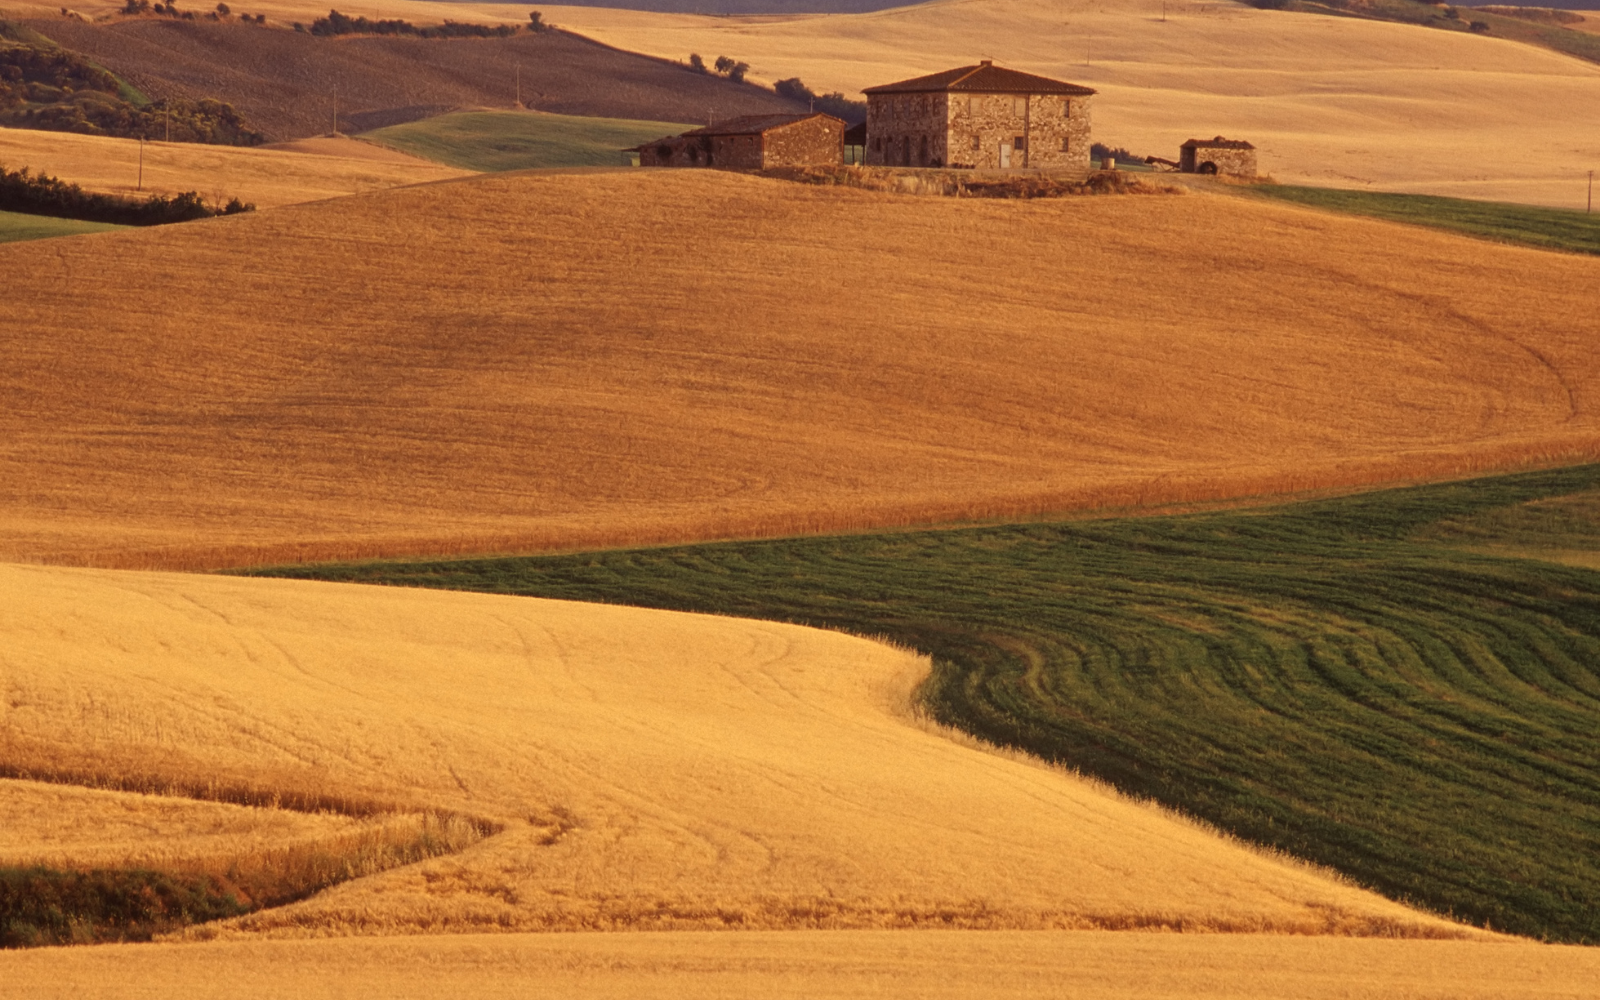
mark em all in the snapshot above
pixel 141 162
pixel 519 85
pixel 336 110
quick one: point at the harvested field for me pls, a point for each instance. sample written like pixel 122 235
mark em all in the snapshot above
pixel 650 770
pixel 263 177
pixel 283 82
pixel 1330 101
pixel 845 965
pixel 683 354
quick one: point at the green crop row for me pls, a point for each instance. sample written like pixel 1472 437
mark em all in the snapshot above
pixel 1339 679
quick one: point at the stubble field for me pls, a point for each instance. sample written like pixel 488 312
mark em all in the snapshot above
pixel 527 362
pixel 310 170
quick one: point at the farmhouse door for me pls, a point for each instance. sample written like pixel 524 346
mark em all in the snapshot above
pixel 1005 156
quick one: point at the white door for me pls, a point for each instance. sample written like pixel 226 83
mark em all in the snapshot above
pixel 1005 156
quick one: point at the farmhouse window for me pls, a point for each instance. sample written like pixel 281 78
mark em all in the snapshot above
pixel 977 143
pixel 1066 145
pixel 1019 143
pixel 1066 109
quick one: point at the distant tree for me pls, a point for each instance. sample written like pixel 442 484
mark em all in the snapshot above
pixel 536 23
pixel 1481 27
pixel 734 71
pixel 223 9
pixel 696 63
pixel 835 104
pixel 1452 13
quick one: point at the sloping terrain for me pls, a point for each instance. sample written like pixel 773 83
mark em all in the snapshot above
pixel 1338 102
pixel 651 770
pixel 519 140
pixel 16 227
pixel 285 82
pixel 263 177
pixel 526 361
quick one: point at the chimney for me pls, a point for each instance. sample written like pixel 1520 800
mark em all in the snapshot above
pixel 986 62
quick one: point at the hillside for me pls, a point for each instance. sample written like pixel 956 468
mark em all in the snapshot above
pixel 683 355
pixel 684 772
pixel 284 82
pixel 518 140
pixel 264 177
pixel 1339 102
pixel 663 770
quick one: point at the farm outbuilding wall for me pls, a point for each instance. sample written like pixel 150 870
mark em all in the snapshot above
pixel 1224 157
pixel 979 117
pixel 755 142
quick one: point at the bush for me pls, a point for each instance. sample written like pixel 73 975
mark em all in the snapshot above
pixel 1481 27
pixel 536 23
pixel 733 70
pixel 44 195
pixel 43 906
pixel 696 63
pixel 836 104
pixel 340 24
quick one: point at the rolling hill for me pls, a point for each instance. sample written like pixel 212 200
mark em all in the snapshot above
pixel 1338 102
pixel 310 170
pixel 524 361
pixel 658 770
pixel 285 82
pixel 518 140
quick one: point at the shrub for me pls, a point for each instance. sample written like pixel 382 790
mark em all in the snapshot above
pixel 696 63
pixel 536 23
pixel 223 9
pixel 1481 27
pixel 836 104
pixel 733 70
pixel 340 24
pixel 42 906
pixel 45 195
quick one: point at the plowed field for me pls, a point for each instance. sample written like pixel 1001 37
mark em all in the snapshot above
pixel 526 361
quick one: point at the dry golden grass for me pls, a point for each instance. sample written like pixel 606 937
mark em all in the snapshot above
pixel 294 172
pixel 1084 965
pixel 527 361
pixel 1332 101
pixel 649 770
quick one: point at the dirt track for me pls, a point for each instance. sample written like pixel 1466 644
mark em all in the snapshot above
pixel 284 81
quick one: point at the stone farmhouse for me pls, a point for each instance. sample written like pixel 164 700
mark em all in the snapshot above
pixel 751 142
pixel 1228 157
pixel 982 117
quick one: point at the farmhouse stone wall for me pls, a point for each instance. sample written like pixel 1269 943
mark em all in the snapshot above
pixel 1229 162
pixel 818 140
pixel 978 131
pixel 815 141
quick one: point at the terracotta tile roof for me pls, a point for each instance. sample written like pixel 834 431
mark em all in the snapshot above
pixel 983 78
pixel 755 124
pixel 1218 143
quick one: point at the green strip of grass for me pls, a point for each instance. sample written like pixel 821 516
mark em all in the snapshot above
pixel 15 227
pixel 520 140
pixel 1547 228
pixel 1335 679
pixel 45 906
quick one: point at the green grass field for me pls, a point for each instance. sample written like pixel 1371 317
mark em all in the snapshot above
pixel 1346 680
pixel 1548 228
pixel 15 227
pixel 520 140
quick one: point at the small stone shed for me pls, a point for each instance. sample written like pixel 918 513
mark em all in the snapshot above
pixel 751 142
pixel 1227 157
pixel 983 117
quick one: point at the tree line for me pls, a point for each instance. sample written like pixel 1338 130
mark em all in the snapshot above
pixel 22 191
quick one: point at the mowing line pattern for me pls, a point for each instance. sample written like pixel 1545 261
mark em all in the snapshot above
pixel 1334 679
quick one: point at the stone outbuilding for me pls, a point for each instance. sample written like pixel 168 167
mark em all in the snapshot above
pixel 751 142
pixel 982 117
pixel 1226 157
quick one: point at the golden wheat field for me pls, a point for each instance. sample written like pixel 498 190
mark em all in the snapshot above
pixel 803 965
pixel 309 170
pixel 656 772
pixel 517 362
pixel 645 770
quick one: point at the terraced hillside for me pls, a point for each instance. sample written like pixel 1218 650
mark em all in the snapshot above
pixel 1340 680
pixel 522 362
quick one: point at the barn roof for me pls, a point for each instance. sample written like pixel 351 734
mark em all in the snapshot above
pixel 1218 143
pixel 756 124
pixel 985 78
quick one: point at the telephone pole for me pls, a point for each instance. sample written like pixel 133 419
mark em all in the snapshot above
pixel 336 110
pixel 519 85
pixel 141 162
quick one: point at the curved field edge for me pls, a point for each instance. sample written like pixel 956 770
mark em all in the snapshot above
pixel 58 903
pixel 1322 679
